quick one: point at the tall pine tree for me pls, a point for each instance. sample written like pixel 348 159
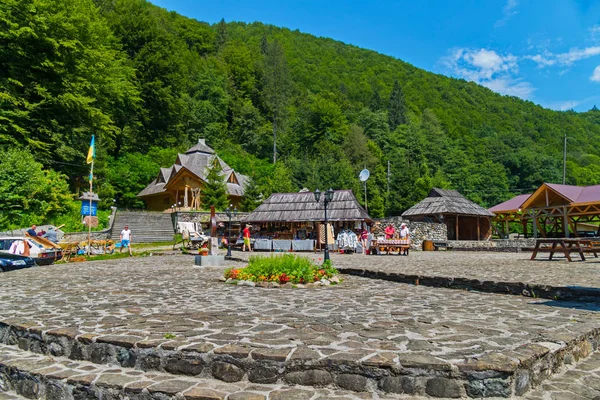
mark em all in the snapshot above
pixel 397 111
pixel 215 189
pixel 276 83
pixel 252 196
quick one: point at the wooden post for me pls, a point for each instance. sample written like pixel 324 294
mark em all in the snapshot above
pixel 457 227
pixel 565 222
pixel 506 229
pixel 478 232
pixel 534 224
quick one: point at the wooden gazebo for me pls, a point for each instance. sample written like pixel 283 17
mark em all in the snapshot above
pixel 464 219
pixel 552 210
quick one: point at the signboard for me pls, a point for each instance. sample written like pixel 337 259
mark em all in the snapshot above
pixel 85 208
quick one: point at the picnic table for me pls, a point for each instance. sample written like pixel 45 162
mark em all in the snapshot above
pixel 564 246
pixel 386 246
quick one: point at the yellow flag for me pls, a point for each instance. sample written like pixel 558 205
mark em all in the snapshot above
pixel 91 152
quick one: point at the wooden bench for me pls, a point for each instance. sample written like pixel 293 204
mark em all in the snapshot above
pixel 564 246
pixel 590 246
pixel 437 245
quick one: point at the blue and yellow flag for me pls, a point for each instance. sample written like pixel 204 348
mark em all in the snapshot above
pixel 91 152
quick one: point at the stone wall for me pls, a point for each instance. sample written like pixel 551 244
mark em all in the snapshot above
pixel 492 245
pixel 419 231
pixel 96 235
pixel 204 216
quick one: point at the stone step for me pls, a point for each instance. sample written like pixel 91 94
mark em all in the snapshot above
pixel 145 226
pixel 380 373
pixel 580 381
pixel 35 376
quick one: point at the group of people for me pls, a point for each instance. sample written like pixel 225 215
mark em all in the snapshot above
pixel 390 232
pixel 51 235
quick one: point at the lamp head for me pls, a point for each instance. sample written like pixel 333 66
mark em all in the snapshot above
pixel 317 195
pixel 329 194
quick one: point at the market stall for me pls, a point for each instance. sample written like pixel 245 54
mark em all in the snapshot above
pixel 296 222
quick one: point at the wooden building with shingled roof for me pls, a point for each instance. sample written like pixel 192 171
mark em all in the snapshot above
pixel 464 219
pixel 302 207
pixel 182 183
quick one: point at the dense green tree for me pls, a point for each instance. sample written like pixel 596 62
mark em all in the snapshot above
pixel 397 111
pixel 221 37
pixel 62 76
pixel 252 196
pixel 28 193
pixel 214 192
pixel 276 86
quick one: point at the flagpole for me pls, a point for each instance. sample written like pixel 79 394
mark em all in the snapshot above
pixel 90 213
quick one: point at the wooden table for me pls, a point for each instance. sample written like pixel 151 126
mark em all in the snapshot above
pixel 388 245
pixel 565 246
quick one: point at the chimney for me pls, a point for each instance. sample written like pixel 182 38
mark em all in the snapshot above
pixel 202 142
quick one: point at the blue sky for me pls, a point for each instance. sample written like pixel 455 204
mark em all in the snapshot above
pixel 546 51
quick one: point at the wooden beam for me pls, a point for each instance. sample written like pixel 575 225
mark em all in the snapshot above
pixel 478 232
pixel 565 222
pixel 456 227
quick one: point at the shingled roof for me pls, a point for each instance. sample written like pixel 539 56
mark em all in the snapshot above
pixel 443 201
pixel 302 207
pixel 196 160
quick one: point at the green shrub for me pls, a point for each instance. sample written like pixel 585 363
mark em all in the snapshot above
pixel 282 269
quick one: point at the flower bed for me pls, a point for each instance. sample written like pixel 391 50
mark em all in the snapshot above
pixel 288 268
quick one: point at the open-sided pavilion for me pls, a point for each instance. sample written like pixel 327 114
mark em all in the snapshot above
pixel 553 210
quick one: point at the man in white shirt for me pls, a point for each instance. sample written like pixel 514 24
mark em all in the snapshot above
pixel 126 240
pixel 404 235
pixel 404 232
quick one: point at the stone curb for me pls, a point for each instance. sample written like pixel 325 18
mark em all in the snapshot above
pixel 492 375
pixel 562 293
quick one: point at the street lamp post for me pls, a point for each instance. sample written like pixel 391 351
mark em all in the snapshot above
pixel 229 212
pixel 326 199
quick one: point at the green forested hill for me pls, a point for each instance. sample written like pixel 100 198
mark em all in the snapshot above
pixel 148 83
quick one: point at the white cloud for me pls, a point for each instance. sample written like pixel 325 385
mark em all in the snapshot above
pixel 596 75
pixel 490 69
pixel 548 59
pixel 545 60
pixel 567 105
pixel 510 87
pixel 595 33
pixel 508 11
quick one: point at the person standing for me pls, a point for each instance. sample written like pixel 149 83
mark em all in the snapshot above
pixel 389 231
pixel 364 236
pixel 404 232
pixel 31 231
pixel 404 235
pixel 126 240
pixel 246 233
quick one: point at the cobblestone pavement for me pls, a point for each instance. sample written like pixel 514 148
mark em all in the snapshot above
pixel 581 382
pixel 154 296
pixel 501 267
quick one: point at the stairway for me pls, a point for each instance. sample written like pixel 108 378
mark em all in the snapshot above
pixel 24 374
pixel 146 227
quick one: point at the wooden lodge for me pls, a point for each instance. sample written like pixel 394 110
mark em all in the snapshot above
pixel 553 210
pixel 464 219
pixel 298 218
pixel 182 183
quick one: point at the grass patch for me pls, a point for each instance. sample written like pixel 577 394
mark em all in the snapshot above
pixel 282 269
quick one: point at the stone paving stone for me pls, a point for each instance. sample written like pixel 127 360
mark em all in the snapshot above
pixel 140 301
